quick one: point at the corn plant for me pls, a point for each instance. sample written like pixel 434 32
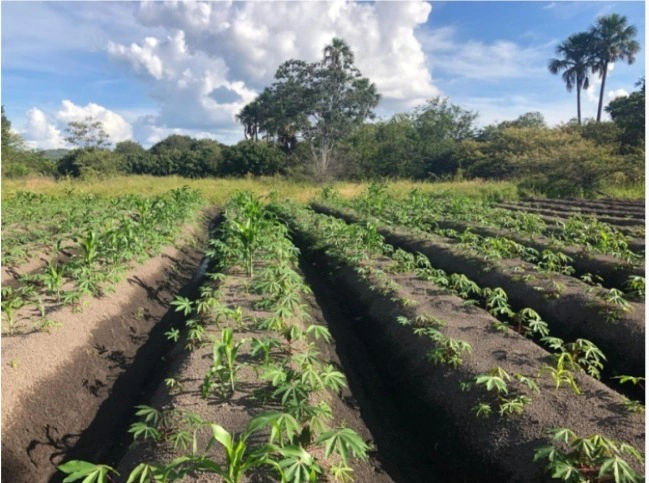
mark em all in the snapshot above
pixel 224 366
pixel 239 458
pixel 9 307
pixel 563 372
pixel 264 348
pixel 53 279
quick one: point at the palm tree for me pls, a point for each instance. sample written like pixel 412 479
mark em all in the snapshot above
pixel 338 54
pixel 575 62
pixel 613 41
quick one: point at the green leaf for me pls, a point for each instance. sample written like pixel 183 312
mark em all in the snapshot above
pixel 492 382
pixel 222 436
pixel 90 472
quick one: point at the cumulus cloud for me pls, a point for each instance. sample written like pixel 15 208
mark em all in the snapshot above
pixel 217 56
pixel 115 125
pixel 47 133
pixel 40 133
pixel 192 89
pixel 612 95
pixel 147 131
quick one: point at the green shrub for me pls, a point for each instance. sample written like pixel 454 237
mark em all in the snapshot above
pixel 258 158
pixel 90 162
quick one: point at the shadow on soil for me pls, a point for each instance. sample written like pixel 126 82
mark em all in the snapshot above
pixel 43 436
pixel 401 437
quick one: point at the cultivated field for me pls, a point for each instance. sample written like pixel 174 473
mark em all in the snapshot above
pixel 262 330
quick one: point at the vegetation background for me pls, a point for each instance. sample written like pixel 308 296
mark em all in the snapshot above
pixel 315 124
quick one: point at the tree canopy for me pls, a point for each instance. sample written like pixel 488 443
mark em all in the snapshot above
pixel 628 113
pixel 319 102
pixel 88 133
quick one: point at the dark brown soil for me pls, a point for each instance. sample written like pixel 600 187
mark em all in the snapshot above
pixel 464 447
pixel 613 271
pixel 67 393
pixel 571 314
pixel 600 203
pixel 403 450
pixel 611 220
pixel 234 412
pixel 573 209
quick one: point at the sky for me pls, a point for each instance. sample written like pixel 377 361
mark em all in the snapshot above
pixel 151 69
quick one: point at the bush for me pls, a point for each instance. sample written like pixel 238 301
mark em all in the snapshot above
pixel 555 162
pixel 90 162
pixel 180 155
pixel 26 163
pixel 258 158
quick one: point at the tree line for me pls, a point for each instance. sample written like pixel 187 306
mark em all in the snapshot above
pixel 316 121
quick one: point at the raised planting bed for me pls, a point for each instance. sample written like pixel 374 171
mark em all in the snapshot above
pixel 411 328
pixel 599 203
pixel 635 235
pixel 613 271
pixel 254 367
pixel 68 390
pixel 89 260
pixel 429 213
pixel 612 220
pixel 637 213
pixel 564 303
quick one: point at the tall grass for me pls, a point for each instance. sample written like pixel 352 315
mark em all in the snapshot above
pixel 218 190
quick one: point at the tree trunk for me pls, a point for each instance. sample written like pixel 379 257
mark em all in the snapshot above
pixel 601 93
pixel 579 101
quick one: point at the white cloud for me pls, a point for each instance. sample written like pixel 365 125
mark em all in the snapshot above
pixel 612 95
pixel 147 132
pixel 43 133
pixel 141 58
pixel 217 56
pixel 502 59
pixel 192 90
pixel 114 124
pixel 592 93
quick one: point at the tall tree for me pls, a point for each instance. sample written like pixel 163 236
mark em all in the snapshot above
pixel 338 55
pixel 576 60
pixel 320 102
pixel 628 113
pixel 613 41
pixel 11 141
pixel 87 134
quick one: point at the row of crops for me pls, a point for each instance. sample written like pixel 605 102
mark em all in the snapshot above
pixel 517 345
pixel 506 336
pixel 58 250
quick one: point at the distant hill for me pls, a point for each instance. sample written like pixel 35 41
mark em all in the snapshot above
pixel 54 154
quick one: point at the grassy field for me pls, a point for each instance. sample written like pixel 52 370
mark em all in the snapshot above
pixel 217 190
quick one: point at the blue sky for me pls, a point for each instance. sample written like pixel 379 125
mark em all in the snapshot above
pixel 149 70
